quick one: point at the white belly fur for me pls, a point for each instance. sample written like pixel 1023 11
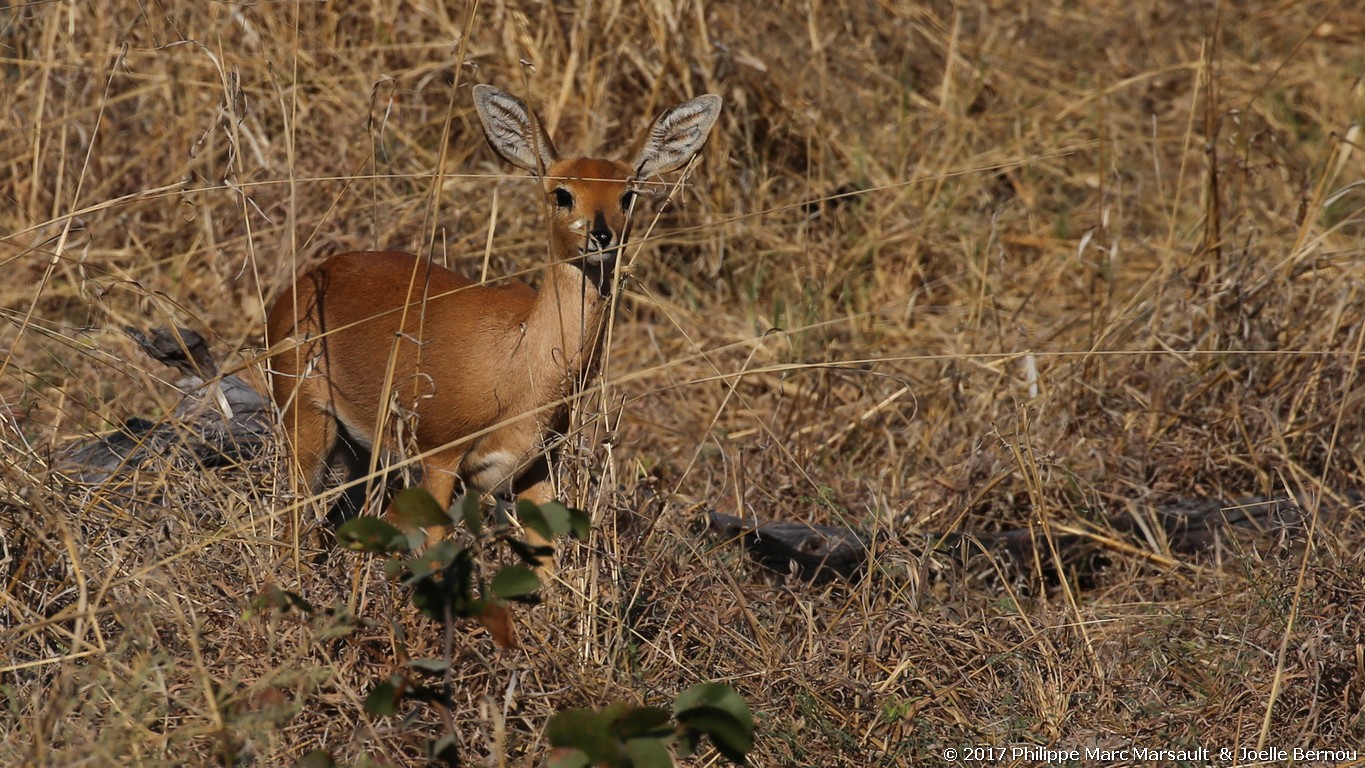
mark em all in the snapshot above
pixel 485 471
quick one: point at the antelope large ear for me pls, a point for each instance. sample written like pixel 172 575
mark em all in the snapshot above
pixel 676 136
pixel 513 131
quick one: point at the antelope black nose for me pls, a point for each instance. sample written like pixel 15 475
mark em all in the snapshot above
pixel 601 238
pixel 600 233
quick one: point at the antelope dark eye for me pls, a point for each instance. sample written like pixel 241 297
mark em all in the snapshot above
pixel 563 198
pixel 627 200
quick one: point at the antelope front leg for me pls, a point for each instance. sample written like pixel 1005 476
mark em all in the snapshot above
pixel 540 493
pixel 438 478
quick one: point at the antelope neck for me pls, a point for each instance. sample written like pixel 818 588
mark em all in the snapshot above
pixel 599 274
pixel 566 321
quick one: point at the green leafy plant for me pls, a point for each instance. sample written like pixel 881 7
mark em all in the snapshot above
pixel 622 736
pixel 448 583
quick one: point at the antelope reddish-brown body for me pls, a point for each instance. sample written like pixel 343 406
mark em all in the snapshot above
pixel 479 375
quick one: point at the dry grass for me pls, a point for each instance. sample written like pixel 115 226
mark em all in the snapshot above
pixel 1154 208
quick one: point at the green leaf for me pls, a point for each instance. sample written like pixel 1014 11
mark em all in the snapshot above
pixel 339 624
pixel 416 508
pixel 529 553
pixel 719 712
pixel 717 695
pixel 370 534
pixel 383 700
pixel 563 727
pixel 426 694
pixel 567 758
pixel 556 517
pixel 515 581
pixel 318 758
pixel 435 666
pixel 587 731
pixel 610 714
pixel 471 513
pixel 728 735
pixel 643 721
pixel 648 753
pixel 687 741
pixel 435 559
pixel 414 539
pixel 273 598
pixel 580 525
pixel 530 516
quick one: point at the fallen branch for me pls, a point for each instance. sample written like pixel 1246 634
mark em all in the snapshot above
pixel 820 552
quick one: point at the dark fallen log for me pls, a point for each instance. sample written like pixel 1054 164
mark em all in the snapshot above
pixel 811 551
pixel 1182 527
pixel 219 421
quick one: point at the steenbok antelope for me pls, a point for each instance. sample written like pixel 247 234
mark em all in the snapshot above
pixel 480 374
